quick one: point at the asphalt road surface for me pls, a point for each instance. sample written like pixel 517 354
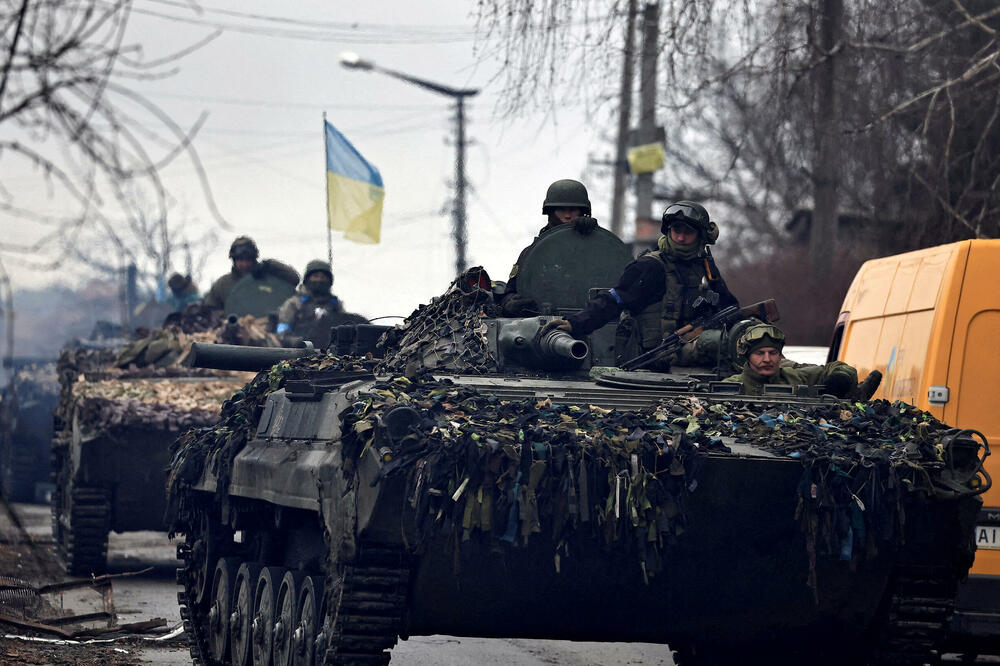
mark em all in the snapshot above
pixel 153 594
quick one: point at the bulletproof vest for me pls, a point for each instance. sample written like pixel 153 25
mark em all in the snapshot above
pixel 257 296
pixel 561 266
pixel 674 311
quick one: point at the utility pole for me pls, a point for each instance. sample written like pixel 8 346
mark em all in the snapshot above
pixel 458 210
pixel 624 123
pixel 354 61
pixel 647 102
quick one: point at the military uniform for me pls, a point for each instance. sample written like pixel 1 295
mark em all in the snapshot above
pixel 216 297
pixel 310 313
pixel 657 290
pixel 797 374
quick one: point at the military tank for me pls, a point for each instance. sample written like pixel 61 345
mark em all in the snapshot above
pixel 486 479
pixel 119 409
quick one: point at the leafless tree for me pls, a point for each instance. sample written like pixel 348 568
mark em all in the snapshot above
pixel 70 112
pixel 68 109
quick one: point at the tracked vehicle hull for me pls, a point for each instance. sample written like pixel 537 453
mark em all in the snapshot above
pixel 735 585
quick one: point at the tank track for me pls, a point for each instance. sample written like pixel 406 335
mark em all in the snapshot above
pixel 366 608
pixel 83 545
pixel 920 609
pixel 194 621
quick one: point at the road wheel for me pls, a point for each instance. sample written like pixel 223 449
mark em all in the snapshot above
pixel 262 627
pixel 285 619
pixel 241 619
pixel 223 581
pixel 308 621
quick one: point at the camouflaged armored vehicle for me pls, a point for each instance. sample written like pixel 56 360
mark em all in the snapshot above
pixel 119 410
pixel 26 405
pixel 484 480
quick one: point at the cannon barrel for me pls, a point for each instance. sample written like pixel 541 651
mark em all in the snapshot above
pixel 235 357
pixel 559 344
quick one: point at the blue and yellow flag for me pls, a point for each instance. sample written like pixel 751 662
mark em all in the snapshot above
pixel 354 190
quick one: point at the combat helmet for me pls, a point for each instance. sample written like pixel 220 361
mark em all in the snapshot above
pixel 317 265
pixel 690 213
pixel 566 194
pixel 243 248
pixel 757 336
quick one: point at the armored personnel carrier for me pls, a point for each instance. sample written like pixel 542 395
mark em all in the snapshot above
pixel 26 405
pixel 484 479
pixel 118 411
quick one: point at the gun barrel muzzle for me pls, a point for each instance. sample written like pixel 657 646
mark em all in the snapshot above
pixel 563 345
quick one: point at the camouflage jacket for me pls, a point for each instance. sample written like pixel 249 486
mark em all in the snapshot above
pixel 304 306
pixel 794 374
pixel 216 297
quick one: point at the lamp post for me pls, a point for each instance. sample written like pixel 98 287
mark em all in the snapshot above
pixel 354 61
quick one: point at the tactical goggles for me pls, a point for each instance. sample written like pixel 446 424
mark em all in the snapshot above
pixel 758 333
pixel 681 211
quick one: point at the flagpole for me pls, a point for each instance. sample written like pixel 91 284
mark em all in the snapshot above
pixel 329 232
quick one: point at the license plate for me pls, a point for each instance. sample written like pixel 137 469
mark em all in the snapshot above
pixel 988 536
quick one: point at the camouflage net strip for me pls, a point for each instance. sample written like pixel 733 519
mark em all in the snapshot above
pixel 447 334
pixel 509 469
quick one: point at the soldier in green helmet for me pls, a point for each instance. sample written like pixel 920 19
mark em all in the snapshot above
pixel 566 202
pixel 659 291
pixel 244 254
pixel 311 312
pixel 760 348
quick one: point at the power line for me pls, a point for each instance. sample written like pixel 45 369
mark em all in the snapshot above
pixel 233 101
pixel 342 36
pixel 336 25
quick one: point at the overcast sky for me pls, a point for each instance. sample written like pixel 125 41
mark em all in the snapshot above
pixel 266 83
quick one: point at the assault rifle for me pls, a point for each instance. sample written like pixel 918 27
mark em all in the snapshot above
pixel 766 311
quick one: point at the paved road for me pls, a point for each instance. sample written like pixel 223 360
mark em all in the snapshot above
pixel 154 594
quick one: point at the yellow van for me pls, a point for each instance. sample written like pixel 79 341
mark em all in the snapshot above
pixel 930 321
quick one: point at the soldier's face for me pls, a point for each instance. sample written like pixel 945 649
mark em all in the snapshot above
pixel 764 361
pixel 683 234
pixel 564 215
pixel 242 265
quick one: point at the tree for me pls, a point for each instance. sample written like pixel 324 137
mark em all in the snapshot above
pixel 68 109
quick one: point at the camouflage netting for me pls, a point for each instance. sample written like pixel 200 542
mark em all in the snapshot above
pixel 506 470
pixel 169 346
pixel 447 334
pixel 510 469
pixel 131 386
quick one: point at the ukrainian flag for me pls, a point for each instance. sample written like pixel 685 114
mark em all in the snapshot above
pixel 354 190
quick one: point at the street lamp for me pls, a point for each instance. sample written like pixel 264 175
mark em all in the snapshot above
pixel 354 61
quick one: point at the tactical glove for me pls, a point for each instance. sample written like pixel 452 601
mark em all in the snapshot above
pixel 584 225
pixel 516 305
pixel 866 389
pixel 839 384
pixel 558 325
pixel 258 270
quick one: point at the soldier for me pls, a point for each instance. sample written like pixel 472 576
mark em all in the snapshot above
pixel 314 309
pixel 183 292
pixel 566 201
pixel 659 289
pixel 760 346
pixel 244 254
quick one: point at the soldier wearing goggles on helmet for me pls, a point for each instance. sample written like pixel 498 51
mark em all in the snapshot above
pixel 244 254
pixel 566 202
pixel 760 348
pixel 659 290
